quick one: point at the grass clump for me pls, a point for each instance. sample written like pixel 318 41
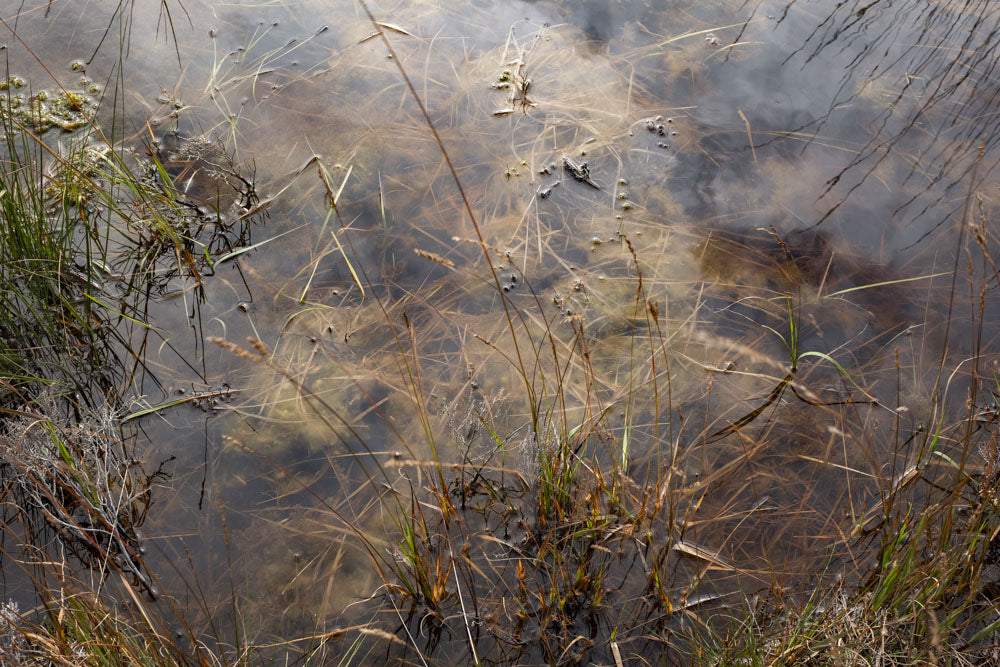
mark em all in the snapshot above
pixel 90 228
pixel 80 629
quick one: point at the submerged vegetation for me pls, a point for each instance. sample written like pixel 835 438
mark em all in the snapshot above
pixel 545 357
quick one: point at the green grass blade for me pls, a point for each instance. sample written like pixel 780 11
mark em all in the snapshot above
pixel 236 253
pixel 172 403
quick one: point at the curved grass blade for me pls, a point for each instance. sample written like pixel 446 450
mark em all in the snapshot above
pixel 172 403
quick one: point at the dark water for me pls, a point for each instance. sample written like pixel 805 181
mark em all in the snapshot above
pixel 758 157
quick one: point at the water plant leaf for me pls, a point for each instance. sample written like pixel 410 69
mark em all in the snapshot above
pixel 885 283
pixel 385 26
pixel 827 357
pixel 696 33
pixel 354 274
pixel 695 551
pixel 239 251
pixel 116 311
pixel 172 403
pixel 60 445
pixel 750 416
pixel 625 438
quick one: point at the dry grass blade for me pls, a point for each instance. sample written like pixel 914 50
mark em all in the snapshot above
pixel 702 553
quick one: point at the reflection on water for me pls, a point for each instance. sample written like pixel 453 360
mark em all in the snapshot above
pixel 790 178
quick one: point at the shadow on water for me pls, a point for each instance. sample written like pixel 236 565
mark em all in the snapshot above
pixel 706 352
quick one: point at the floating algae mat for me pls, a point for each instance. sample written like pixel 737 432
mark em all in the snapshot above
pixel 543 332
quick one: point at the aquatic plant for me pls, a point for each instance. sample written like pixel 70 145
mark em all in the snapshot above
pixel 492 438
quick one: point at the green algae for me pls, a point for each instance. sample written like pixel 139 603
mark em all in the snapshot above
pixel 64 109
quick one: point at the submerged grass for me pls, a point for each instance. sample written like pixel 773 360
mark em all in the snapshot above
pixel 586 552
pixel 604 488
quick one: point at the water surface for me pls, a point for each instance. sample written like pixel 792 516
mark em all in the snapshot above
pixel 760 159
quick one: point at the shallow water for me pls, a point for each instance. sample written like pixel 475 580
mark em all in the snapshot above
pixel 757 158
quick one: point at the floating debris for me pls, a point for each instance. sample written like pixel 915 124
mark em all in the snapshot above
pixel 514 79
pixel 382 27
pixel 580 172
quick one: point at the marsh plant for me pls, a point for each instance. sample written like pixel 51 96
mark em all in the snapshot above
pixel 83 482
pixel 90 226
pixel 701 432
